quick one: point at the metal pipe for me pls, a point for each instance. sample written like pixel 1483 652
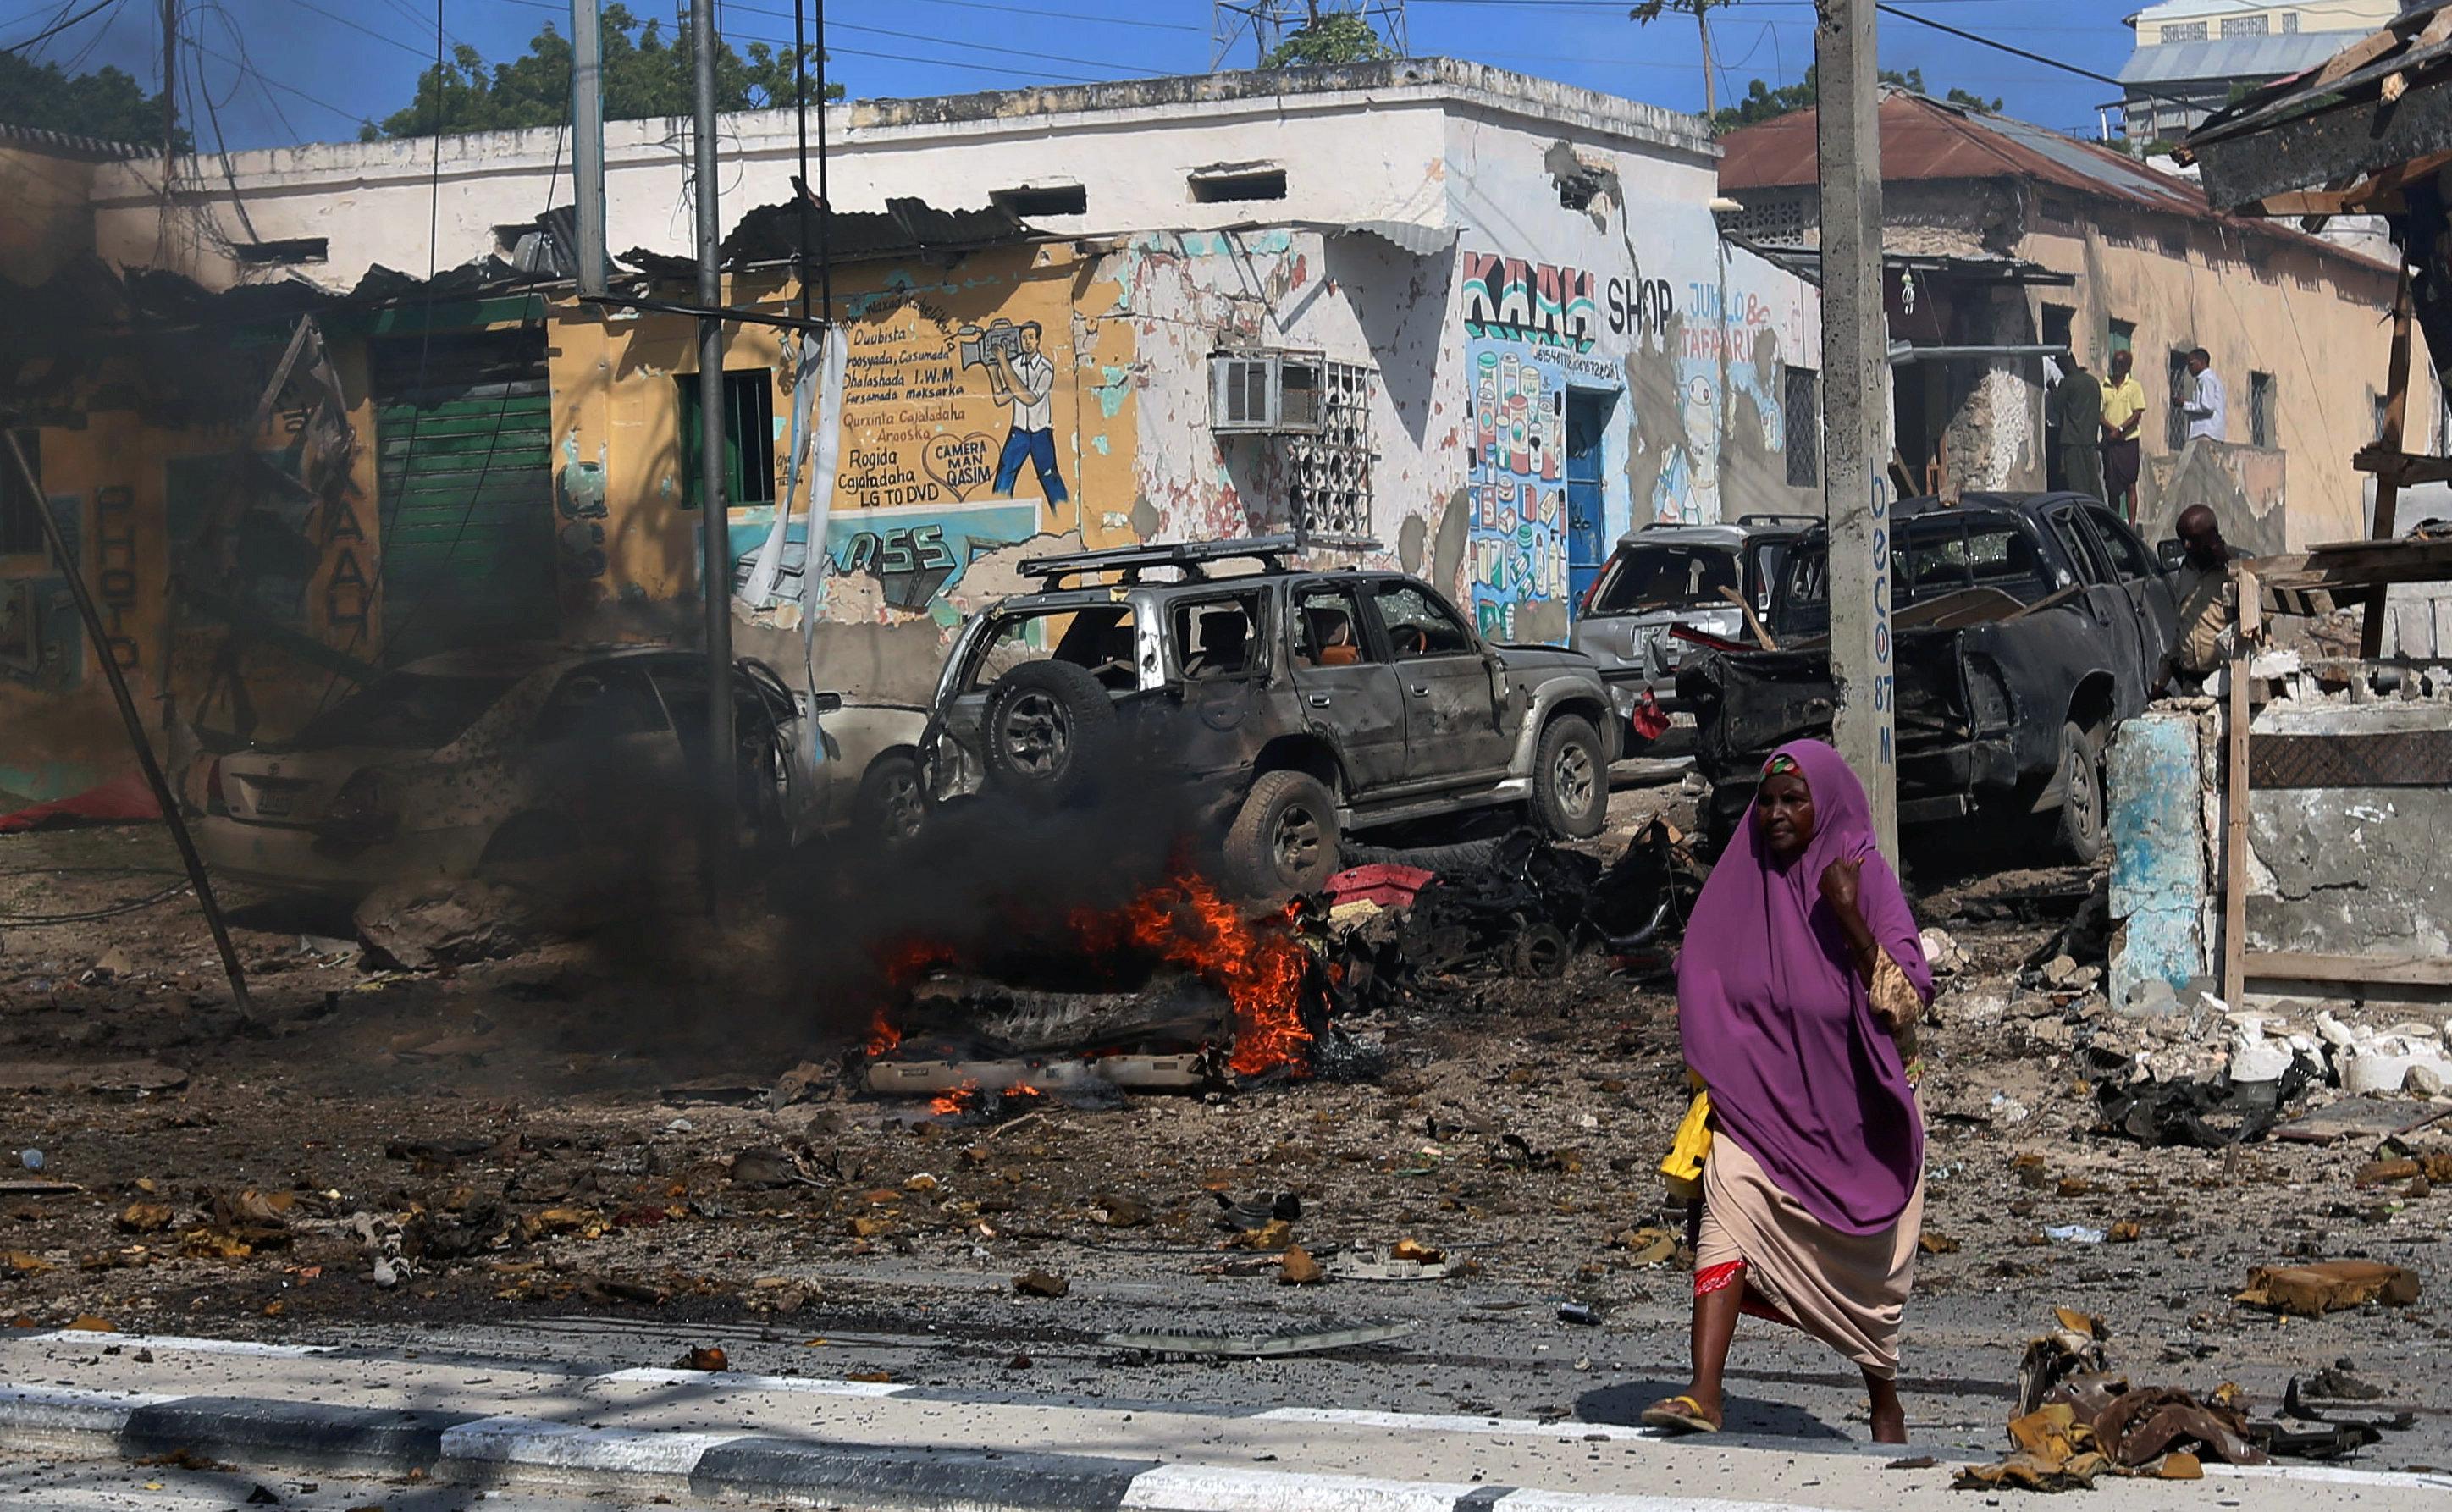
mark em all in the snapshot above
pixel 587 140
pixel 714 539
pixel 825 201
pixel 100 641
pixel 800 121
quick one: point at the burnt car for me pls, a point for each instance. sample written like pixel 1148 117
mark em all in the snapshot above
pixel 1280 707
pixel 520 761
pixel 1661 577
pixel 2025 627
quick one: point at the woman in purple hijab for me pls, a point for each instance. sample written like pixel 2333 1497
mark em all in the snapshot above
pixel 1798 991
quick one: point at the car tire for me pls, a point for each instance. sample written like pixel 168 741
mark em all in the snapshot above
pixel 1571 779
pixel 1047 728
pixel 892 804
pixel 1284 841
pixel 2082 827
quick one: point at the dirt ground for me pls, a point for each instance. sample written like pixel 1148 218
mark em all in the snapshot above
pixel 561 1130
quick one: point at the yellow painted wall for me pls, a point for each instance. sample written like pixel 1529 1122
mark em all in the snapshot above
pixel 2315 320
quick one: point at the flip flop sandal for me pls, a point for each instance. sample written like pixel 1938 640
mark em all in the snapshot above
pixel 1684 1414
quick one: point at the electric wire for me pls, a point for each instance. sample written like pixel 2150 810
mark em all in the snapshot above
pixel 56 28
pixel 29 922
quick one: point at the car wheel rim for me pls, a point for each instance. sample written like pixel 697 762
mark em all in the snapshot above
pixel 1297 843
pixel 2081 797
pixel 1035 734
pixel 903 808
pixel 1572 777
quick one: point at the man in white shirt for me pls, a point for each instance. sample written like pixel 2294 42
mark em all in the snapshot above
pixel 1025 381
pixel 2207 405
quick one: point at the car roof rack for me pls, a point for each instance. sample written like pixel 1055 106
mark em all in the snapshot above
pixel 1779 520
pixel 1191 558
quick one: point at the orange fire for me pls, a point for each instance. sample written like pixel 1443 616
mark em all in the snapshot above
pixel 1260 968
pixel 945 1105
pixel 883 1037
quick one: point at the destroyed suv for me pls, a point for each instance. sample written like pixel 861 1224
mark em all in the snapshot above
pixel 2026 627
pixel 1284 707
pixel 1716 579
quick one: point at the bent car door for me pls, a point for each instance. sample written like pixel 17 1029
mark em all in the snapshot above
pixel 1346 688
pixel 1452 724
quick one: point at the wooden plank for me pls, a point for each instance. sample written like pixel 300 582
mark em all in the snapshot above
pixel 1762 637
pixel 2235 869
pixel 2396 408
pixel 2377 970
pixel 2352 58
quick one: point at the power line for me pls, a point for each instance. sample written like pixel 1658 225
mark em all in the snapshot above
pixel 266 79
pixel 2021 52
pixel 905 57
pixel 1071 15
pixel 58 27
pixel 386 38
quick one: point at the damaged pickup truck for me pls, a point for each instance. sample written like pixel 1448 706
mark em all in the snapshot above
pixel 2026 627
pixel 1283 708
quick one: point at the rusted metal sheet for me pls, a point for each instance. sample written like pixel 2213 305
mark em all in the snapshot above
pixel 2408 758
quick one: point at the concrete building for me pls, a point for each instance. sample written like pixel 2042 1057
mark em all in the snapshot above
pixel 2034 242
pixel 2193 58
pixel 1504 302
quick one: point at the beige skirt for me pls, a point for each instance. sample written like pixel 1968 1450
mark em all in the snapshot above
pixel 1847 1290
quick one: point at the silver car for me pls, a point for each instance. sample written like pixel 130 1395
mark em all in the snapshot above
pixel 1661 577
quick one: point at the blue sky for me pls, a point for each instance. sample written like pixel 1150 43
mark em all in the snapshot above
pixel 278 71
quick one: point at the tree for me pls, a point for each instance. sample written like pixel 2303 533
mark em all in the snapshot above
pixel 106 103
pixel 1340 36
pixel 1763 103
pixel 644 75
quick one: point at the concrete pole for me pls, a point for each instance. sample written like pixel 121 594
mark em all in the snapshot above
pixel 1856 404
pixel 587 140
pixel 714 534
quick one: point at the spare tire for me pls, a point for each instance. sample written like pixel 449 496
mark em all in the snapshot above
pixel 1048 728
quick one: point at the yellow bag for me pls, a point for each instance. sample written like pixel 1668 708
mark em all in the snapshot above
pixel 1683 1169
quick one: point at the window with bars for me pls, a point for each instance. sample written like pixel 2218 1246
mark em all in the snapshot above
pixel 2182 386
pixel 1330 468
pixel 2264 424
pixel 2246 26
pixel 749 438
pixel 1801 400
pixel 2184 31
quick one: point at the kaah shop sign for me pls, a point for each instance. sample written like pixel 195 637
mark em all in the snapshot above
pixel 1547 304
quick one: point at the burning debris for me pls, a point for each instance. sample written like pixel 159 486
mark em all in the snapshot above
pixel 1175 990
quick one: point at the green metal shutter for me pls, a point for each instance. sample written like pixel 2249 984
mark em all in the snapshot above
pixel 467 513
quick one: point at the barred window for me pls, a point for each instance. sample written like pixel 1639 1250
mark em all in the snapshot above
pixel 1801 400
pixel 1331 468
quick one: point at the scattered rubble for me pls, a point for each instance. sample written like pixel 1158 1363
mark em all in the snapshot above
pixel 2310 1291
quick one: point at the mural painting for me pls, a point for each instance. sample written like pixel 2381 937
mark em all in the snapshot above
pixel 1516 489
pixel 1716 347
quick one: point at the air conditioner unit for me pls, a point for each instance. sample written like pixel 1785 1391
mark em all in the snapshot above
pixel 1265 393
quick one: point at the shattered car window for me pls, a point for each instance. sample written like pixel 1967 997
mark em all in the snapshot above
pixel 408 711
pixel 1645 578
pixel 1218 639
pixel 1418 625
pixel 600 703
pixel 1099 639
pixel 1943 557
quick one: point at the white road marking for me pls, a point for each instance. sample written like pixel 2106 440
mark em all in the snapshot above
pixel 737 1381
pixel 1210 1488
pixel 146 1341
pixel 574 1446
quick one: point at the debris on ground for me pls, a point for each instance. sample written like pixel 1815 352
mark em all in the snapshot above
pixel 418 926
pixel 2310 1291
pixel 1259 1346
pixel 703 1357
pixel 1042 1284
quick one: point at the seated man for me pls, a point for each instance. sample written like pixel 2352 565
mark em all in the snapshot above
pixel 2208 602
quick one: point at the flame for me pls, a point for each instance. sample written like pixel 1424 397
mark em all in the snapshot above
pixel 902 964
pixel 1021 1090
pixel 1260 968
pixel 883 1037
pixel 945 1105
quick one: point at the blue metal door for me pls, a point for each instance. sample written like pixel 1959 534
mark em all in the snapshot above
pixel 1588 545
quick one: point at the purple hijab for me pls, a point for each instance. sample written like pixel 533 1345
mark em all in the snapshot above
pixel 1780 1028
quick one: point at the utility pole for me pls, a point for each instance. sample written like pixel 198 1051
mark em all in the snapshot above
pixel 170 92
pixel 1710 91
pixel 715 526
pixel 1856 402
pixel 587 140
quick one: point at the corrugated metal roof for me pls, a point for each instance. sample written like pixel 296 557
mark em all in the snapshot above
pixel 2241 58
pixel 1925 139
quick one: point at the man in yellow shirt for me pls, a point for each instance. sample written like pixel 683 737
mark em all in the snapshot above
pixel 2124 415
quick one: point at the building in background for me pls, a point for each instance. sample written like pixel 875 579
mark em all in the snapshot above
pixel 2193 58
pixel 2009 243
pixel 1485 320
